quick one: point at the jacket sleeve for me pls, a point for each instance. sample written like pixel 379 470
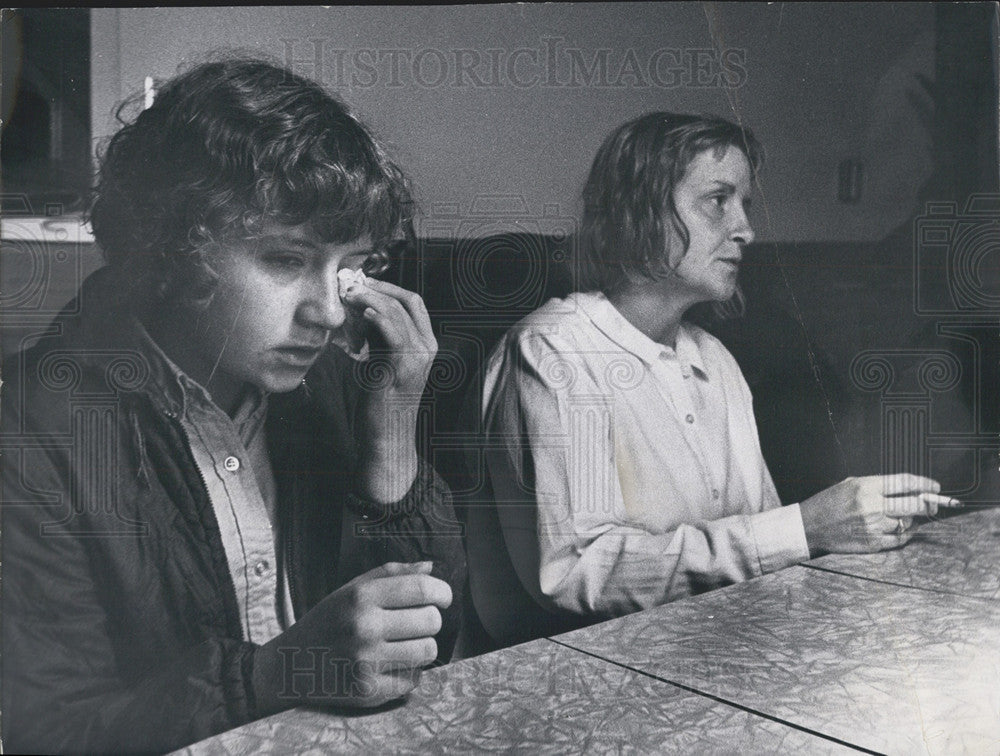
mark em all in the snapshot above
pixel 561 505
pixel 420 526
pixel 65 687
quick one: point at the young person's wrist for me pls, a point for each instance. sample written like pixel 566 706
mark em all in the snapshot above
pixel 385 475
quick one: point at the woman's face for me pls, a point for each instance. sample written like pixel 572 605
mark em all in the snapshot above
pixel 712 201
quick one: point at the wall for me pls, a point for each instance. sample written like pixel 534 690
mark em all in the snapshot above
pixel 513 100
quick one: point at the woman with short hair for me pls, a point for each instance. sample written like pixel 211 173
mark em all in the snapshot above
pixel 623 450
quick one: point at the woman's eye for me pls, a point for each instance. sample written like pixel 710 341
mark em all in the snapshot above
pixel 717 202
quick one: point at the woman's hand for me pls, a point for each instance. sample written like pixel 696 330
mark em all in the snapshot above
pixel 401 350
pixel 873 513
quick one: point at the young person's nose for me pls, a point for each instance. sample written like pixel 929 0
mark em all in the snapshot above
pixel 320 305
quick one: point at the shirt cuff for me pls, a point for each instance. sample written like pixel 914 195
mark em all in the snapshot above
pixel 780 538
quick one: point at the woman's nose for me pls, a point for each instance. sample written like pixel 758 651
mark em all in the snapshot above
pixel 742 231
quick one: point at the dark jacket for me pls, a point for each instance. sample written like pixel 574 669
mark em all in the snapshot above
pixel 120 624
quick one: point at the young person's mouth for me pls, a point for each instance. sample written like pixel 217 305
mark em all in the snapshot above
pixel 299 355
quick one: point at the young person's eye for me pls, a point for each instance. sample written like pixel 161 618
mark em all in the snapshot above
pixel 356 262
pixel 284 261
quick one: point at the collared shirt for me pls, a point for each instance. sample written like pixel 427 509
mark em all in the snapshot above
pixel 231 456
pixel 642 462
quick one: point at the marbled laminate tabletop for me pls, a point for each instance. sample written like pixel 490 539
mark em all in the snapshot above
pixel 540 697
pixel 885 667
pixel 897 652
pixel 960 555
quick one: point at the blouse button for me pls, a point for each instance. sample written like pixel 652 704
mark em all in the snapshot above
pixel 232 464
pixel 690 418
pixel 715 493
pixel 261 567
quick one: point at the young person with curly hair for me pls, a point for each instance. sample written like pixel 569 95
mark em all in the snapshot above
pixel 211 512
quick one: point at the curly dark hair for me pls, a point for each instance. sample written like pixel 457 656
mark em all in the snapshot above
pixel 229 144
pixel 628 198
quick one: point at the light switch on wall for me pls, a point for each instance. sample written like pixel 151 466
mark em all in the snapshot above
pixel 850 181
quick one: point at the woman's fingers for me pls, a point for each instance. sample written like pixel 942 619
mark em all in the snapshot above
pixel 901 484
pixel 897 525
pixel 925 505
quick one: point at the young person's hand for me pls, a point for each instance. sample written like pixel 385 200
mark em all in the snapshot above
pixel 364 644
pixel 402 347
pixel 873 513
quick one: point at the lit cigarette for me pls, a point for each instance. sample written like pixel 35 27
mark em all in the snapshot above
pixel 940 500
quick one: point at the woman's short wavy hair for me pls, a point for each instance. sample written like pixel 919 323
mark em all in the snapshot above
pixel 225 146
pixel 628 202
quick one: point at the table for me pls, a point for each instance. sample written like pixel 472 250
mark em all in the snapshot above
pixel 896 652
pixel 886 668
pixel 540 697
pixel 958 555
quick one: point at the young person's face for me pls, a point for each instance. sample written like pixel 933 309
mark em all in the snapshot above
pixel 711 199
pixel 273 310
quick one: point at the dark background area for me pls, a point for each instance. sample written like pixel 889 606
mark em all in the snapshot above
pixel 46 146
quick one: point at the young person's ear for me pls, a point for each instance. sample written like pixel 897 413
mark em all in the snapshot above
pixel 189 279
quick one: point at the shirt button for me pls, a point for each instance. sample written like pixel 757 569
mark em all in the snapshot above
pixel 232 464
pixel 261 567
pixel 715 493
pixel 690 418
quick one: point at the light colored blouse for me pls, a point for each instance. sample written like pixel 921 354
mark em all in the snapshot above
pixel 642 463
